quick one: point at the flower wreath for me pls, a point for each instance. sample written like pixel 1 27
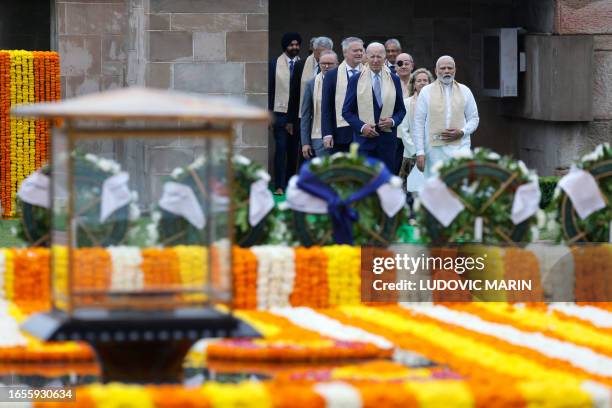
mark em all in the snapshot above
pixel 89 175
pixel 345 175
pixel 485 183
pixel 562 213
pixel 248 229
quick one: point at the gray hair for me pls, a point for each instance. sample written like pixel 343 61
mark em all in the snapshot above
pixel 323 42
pixel 312 40
pixel 443 58
pixel 393 41
pixel 374 45
pixel 328 52
pixel 348 41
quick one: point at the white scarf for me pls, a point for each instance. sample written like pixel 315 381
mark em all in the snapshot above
pixel 341 85
pixel 365 104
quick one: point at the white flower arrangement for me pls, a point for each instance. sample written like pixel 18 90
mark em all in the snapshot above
pixel 241 160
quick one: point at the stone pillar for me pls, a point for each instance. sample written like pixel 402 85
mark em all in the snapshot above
pixel 91 40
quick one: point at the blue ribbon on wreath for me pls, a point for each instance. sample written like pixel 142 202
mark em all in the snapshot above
pixel 341 213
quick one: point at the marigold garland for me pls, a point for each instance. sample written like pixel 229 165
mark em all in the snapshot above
pixel 25 77
pixel 343 274
pixel 310 287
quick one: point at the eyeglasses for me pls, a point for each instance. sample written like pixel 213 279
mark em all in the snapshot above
pixel 327 64
pixel 401 63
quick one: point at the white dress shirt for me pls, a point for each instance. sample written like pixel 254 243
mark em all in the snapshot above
pixel 403 129
pixel 420 130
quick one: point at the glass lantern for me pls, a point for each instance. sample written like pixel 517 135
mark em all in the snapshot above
pixel 125 164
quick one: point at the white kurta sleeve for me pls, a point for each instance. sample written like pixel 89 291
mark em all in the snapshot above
pixel 471 112
pixel 420 117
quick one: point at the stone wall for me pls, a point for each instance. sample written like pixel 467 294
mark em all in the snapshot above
pixel 202 46
pixel 547 145
pixel 91 38
pixel 213 47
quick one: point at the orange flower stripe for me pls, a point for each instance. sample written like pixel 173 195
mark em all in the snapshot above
pixel 160 268
pixel 32 286
pixel 310 285
pixel 245 278
pixel 25 77
pixel 92 273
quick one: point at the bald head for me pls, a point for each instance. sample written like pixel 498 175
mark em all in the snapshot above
pixel 404 65
pixel 445 69
pixel 375 54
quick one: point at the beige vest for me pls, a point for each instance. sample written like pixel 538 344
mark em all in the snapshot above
pixel 365 102
pixel 282 84
pixel 341 85
pixel 307 75
pixel 437 112
pixel 315 132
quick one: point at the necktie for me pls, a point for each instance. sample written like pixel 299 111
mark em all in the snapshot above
pixel 290 68
pixel 377 91
pixel 318 69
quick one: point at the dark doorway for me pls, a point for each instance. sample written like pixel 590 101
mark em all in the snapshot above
pixel 25 24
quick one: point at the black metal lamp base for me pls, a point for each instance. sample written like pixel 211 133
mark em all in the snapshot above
pixel 138 346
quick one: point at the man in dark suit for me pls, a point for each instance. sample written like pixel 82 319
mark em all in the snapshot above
pixel 337 133
pixel 393 48
pixel 374 107
pixel 284 75
pixel 310 123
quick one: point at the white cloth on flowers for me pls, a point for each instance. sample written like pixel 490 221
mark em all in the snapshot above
pixel 180 199
pixel 582 189
pixel 526 202
pixel 261 201
pixel 415 180
pixel 439 201
pixel 391 196
pixel 115 194
pixel 35 190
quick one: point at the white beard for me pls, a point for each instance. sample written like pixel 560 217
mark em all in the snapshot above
pixel 447 80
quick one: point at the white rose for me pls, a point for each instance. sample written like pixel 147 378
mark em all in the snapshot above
pixel 284 205
pixel 523 168
pixel 541 218
pixel 134 212
pixel 317 161
pixel 152 234
pixel 590 157
pixel 435 169
pixel 156 216
pixel 396 182
pixel 337 155
pixel 242 160
pixel 463 154
pixel 177 172
pixel 105 165
pixel 599 151
pixel 199 162
pixel 493 156
pixel 557 193
pixel 91 157
pixel 262 175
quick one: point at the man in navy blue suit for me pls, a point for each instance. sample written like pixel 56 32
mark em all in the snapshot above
pixel 337 133
pixel 284 75
pixel 374 107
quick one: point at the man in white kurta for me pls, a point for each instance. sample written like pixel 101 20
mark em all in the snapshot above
pixel 445 116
